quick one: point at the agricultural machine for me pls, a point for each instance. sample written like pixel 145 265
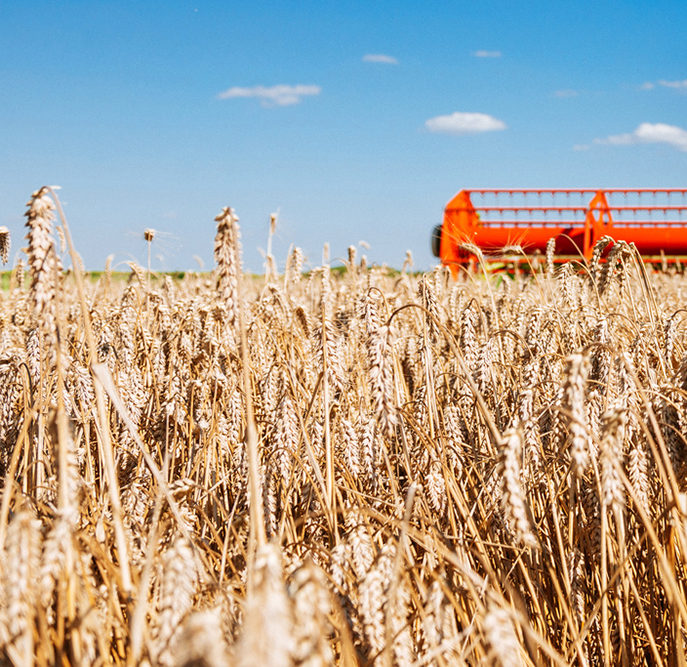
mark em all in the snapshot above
pixel 655 220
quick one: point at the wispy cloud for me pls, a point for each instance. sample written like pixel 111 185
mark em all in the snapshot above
pixel 649 133
pixel 280 95
pixel 566 93
pixel 679 85
pixel 379 58
pixel 675 85
pixel 486 54
pixel 464 123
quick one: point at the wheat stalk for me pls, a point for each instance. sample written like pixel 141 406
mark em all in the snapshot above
pixel 540 432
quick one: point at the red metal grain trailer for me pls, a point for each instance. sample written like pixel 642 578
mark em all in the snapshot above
pixel 655 220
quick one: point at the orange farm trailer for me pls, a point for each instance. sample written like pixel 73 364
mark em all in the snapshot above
pixel 655 220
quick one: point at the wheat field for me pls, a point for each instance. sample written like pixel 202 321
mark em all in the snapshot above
pixel 357 467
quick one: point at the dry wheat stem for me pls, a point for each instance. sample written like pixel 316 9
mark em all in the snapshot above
pixel 404 439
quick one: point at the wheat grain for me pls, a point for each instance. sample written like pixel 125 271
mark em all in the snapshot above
pixel 44 269
pixel 19 585
pixel 502 637
pixel 311 608
pixel 576 379
pixel 381 378
pixel 176 597
pixel 226 256
pixel 201 641
pixel 611 453
pixel 550 256
pixel 513 496
pixel 373 593
pixel 362 553
pixel 267 637
pixel 5 244
pixel 513 411
pixel 597 251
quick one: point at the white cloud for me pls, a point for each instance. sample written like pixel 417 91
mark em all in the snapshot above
pixel 566 93
pixel 379 58
pixel 581 147
pixel 673 84
pixel 617 140
pixel 464 123
pixel 281 95
pixel 487 54
pixel 649 133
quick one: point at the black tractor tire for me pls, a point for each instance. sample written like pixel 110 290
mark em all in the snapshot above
pixel 436 240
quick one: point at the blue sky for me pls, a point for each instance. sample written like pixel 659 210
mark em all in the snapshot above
pixel 355 120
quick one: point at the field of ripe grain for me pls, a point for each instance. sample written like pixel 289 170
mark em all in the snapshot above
pixel 360 468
